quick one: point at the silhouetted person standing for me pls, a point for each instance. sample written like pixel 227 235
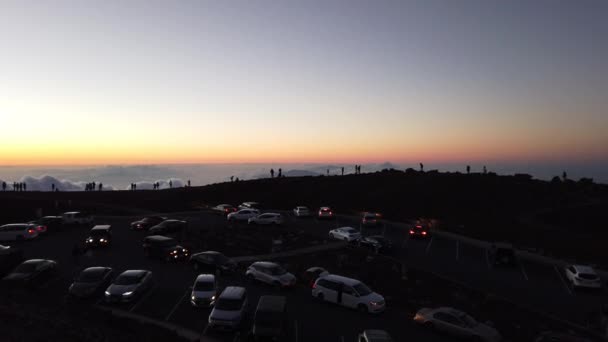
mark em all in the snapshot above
pixel 342 170
pixel 53 187
pixel 271 173
pixel 340 290
pixel 468 169
pixel 3 186
pixel 24 186
pixel 564 175
pixel 134 186
pixel 100 186
pixel 171 184
pixel 232 178
pixel 328 172
pixel 188 183
pixel 421 167
pixel 280 173
pixel 485 170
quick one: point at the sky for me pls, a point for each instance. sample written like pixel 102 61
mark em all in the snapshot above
pixel 162 82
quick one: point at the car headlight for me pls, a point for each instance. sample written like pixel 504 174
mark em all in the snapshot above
pixel 374 303
pixel 212 297
pixel 107 293
pixel 193 297
pixel 102 240
pixel 127 294
pixel 184 250
pixel 90 240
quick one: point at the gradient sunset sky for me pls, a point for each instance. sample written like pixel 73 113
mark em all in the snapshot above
pixel 92 82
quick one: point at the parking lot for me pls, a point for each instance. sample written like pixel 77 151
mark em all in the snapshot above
pixel 539 286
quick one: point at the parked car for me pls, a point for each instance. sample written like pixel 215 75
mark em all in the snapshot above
pixel 204 291
pixel 419 231
pixel 267 218
pixel 374 336
pixel 270 273
pixel 371 219
pixel 301 212
pixel 243 215
pixel 250 205
pixel 52 223
pixel 581 276
pixel 224 209
pixel 129 285
pixel 348 292
pixel 91 282
pixel 502 254
pixel 345 233
pixel 212 261
pixel 270 319
pixel 18 232
pixel 312 274
pixel 99 236
pixel 325 213
pixel 229 309
pixel 376 243
pixel 10 257
pixel 168 227
pixel 40 228
pixel 77 218
pixel 456 323
pixel 164 247
pixel 147 222
pixel 31 273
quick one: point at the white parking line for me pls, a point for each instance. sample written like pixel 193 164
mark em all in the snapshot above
pixel 296 330
pixel 559 275
pixel 142 299
pixel 457 249
pixel 428 247
pixel 181 299
pixel 523 271
pixel 205 330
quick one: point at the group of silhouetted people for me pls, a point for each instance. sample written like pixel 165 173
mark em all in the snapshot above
pixel 279 175
pixel 90 186
pixel 17 186
pixel 357 170
pixel 155 186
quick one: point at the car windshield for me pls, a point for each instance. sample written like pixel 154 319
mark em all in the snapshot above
pixel 89 277
pixel 277 270
pixel 150 219
pixel 228 304
pixel 587 276
pixel 127 279
pixel 25 268
pixel 468 320
pixel 350 231
pixel 221 259
pixel 167 243
pixel 362 289
pixel 99 232
pixel 204 286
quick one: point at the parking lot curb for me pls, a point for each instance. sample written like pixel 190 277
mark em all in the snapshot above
pixel 178 330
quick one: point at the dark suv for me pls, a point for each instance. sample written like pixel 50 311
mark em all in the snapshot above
pixel 147 222
pixel 99 236
pixel 168 226
pixel 164 247
pixel 212 261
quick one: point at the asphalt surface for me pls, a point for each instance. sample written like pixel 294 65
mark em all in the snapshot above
pixel 536 285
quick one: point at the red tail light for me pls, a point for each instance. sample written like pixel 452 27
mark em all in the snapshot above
pixel 314 284
pixel 30 231
pixel 411 231
pixel 41 228
pixel 423 233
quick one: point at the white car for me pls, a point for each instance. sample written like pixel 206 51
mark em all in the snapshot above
pixel 348 292
pixel 76 217
pixel 267 218
pixel 18 232
pixel 301 212
pixel 325 213
pixel 582 276
pixel 229 308
pixel 270 273
pixel 243 215
pixel 204 291
pixel 345 233
pixel 456 323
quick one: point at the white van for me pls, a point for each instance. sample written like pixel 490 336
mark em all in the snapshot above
pixel 348 292
pixel 18 232
pixel 76 217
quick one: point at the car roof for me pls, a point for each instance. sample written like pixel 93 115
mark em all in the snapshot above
pixel 347 228
pixel 71 212
pixel 136 273
pixel 374 335
pixel 233 292
pixel 207 278
pixel 450 311
pixel 96 270
pixel 324 208
pixel 36 261
pixel 341 279
pixel 301 207
pixel 102 227
pixel 17 225
pixel 503 245
pixel 272 303
pixel 266 264
pixel 158 238
pixel 584 269
pixel 273 214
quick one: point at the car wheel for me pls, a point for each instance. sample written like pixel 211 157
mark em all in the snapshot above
pixel 321 296
pixel 332 236
pixel 362 308
pixel 346 239
pixel 429 325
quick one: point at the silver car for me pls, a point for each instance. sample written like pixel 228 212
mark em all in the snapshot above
pixel 204 291
pixel 128 285
pixel 267 218
pixel 270 273
pixel 456 323
pixel 229 308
